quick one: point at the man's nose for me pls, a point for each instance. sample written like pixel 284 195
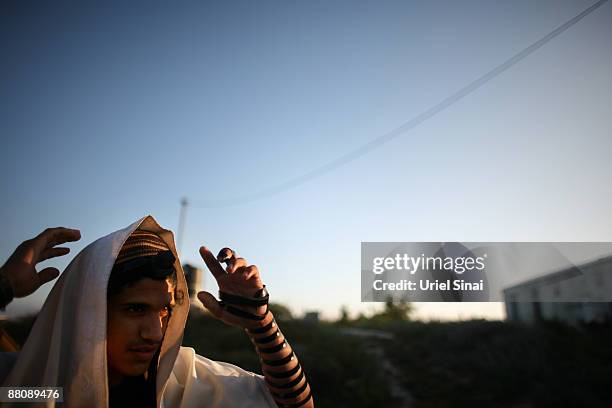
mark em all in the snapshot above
pixel 152 329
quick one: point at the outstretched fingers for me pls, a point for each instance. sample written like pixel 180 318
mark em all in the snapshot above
pixel 59 235
pixel 53 253
pixel 47 275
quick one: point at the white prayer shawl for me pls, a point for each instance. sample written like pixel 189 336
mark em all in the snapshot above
pixel 67 344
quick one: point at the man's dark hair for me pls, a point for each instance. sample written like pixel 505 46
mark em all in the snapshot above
pixel 158 267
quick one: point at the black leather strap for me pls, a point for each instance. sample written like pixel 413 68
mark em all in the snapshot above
pixel 284 374
pixel 274 349
pixel 297 404
pixel 241 313
pixel 292 394
pixel 257 301
pixel 290 384
pixel 264 329
pixel 279 362
pixel 269 338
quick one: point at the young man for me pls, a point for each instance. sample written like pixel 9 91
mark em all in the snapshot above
pixel 111 328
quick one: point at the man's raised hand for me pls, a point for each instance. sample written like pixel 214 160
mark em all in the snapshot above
pixel 239 278
pixel 20 268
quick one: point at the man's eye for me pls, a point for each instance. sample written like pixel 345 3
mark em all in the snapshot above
pixel 135 309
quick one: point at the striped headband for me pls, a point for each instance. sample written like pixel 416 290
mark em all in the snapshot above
pixel 139 244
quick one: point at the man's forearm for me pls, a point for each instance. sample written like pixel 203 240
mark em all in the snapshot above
pixel 284 375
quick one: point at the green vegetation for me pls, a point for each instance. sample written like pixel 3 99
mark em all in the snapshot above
pixel 393 312
pixel 340 372
pixel 461 364
pixel 486 364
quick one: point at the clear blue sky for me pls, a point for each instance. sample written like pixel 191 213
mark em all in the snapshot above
pixel 111 112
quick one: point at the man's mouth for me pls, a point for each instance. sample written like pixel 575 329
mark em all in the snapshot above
pixel 144 352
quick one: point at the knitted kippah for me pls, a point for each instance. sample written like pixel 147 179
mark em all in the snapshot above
pixel 139 244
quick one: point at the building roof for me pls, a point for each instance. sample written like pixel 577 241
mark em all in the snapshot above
pixel 560 275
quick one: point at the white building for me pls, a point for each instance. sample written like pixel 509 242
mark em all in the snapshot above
pixel 574 295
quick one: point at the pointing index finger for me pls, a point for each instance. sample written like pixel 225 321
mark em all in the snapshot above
pixel 211 262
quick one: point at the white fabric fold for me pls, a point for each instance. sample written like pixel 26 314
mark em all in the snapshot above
pixel 67 344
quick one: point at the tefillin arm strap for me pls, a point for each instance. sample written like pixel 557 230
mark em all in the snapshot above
pixel 230 301
pixel 282 371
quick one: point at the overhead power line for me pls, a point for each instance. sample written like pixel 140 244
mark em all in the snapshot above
pixel 387 137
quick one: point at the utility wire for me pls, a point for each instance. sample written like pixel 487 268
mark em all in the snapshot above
pixel 412 123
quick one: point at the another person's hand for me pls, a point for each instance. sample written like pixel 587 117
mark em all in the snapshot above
pixel 239 278
pixel 20 268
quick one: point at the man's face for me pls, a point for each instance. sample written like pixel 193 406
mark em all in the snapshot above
pixel 137 321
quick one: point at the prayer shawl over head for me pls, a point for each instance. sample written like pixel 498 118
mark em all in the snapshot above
pixel 67 344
